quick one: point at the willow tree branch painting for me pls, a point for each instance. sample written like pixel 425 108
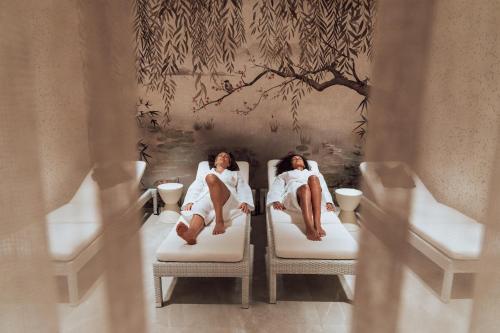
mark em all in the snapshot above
pixel 305 45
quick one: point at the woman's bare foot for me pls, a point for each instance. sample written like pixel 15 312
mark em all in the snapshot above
pixel 321 231
pixel 313 235
pixel 220 228
pixel 183 232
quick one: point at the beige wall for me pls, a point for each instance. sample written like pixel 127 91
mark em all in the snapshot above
pixel 62 115
pixel 458 132
pixel 459 128
pixel 327 119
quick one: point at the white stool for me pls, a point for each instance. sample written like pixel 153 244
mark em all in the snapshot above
pixel 170 193
pixel 348 200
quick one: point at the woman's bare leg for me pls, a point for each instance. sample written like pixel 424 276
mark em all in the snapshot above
pixel 219 195
pixel 315 187
pixel 190 233
pixel 304 198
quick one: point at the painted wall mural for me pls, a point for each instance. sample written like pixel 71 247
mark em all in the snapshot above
pixel 259 78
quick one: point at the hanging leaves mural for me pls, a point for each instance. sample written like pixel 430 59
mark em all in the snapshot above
pixel 170 31
pixel 330 36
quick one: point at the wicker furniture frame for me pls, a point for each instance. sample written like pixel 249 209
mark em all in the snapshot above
pixel 70 269
pixel 241 269
pixel 450 266
pixel 276 265
pixel 150 193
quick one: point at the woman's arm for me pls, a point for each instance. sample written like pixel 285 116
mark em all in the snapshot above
pixel 276 191
pixel 193 191
pixel 244 192
pixel 324 189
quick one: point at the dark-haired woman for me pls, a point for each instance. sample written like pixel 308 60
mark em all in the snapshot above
pixel 217 194
pixel 296 187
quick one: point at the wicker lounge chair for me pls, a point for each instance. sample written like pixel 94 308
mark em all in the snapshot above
pixel 75 231
pixel 226 255
pixel 447 237
pixel 289 251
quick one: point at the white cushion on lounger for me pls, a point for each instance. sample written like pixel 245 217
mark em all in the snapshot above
pixel 75 225
pixel 289 235
pixel 87 193
pixel 290 242
pixel 452 232
pixel 394 196
pixel 67 240
pixel 74 213
pixel 227 247
pixel 292 216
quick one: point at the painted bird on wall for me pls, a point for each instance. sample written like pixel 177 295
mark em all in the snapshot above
pixel 228 86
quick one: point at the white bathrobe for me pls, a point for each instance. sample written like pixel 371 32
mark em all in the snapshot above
pixel 284 188
pixel 199 194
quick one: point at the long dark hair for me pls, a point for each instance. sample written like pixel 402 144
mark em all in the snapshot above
pixel 285 164
pixel 233 166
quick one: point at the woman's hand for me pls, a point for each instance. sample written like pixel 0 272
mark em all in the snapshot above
pixel 244 207
pixel 330 207
pixel 188 206
pixel 278 205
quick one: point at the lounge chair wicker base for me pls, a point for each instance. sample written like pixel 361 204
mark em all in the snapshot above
pixel 276 265
pixel 241 269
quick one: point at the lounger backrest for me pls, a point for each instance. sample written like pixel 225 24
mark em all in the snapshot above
pixel 88 190
pixel 419 193
pixel 244 169
pixel 271 169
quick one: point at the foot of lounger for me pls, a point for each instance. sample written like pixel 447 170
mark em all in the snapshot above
pixel 246 281
pixel 447 286
pixel 72 289
pixel 155 202
pixel 347 286
pixel 170 290
pixel 272 287
pixel 245 292
pixel 266 260
pixel 158 292
pixel 271 278
pixel 251 273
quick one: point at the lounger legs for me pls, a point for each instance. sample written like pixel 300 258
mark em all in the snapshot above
pixel 272 287
pixel 72 289
pixel 447 286
pixel 245 291
pixel 155 202
pixel 251 263
pixel 246 281
pixel 271 278
pixel 158 292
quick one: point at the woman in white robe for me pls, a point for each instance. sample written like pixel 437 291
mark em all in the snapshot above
pixel 221 194
pixel 296 187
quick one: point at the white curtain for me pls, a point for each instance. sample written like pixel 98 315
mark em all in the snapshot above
pixel 59 58
pixel 435 107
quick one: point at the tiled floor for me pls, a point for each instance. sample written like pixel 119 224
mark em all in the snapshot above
pixel 305 303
